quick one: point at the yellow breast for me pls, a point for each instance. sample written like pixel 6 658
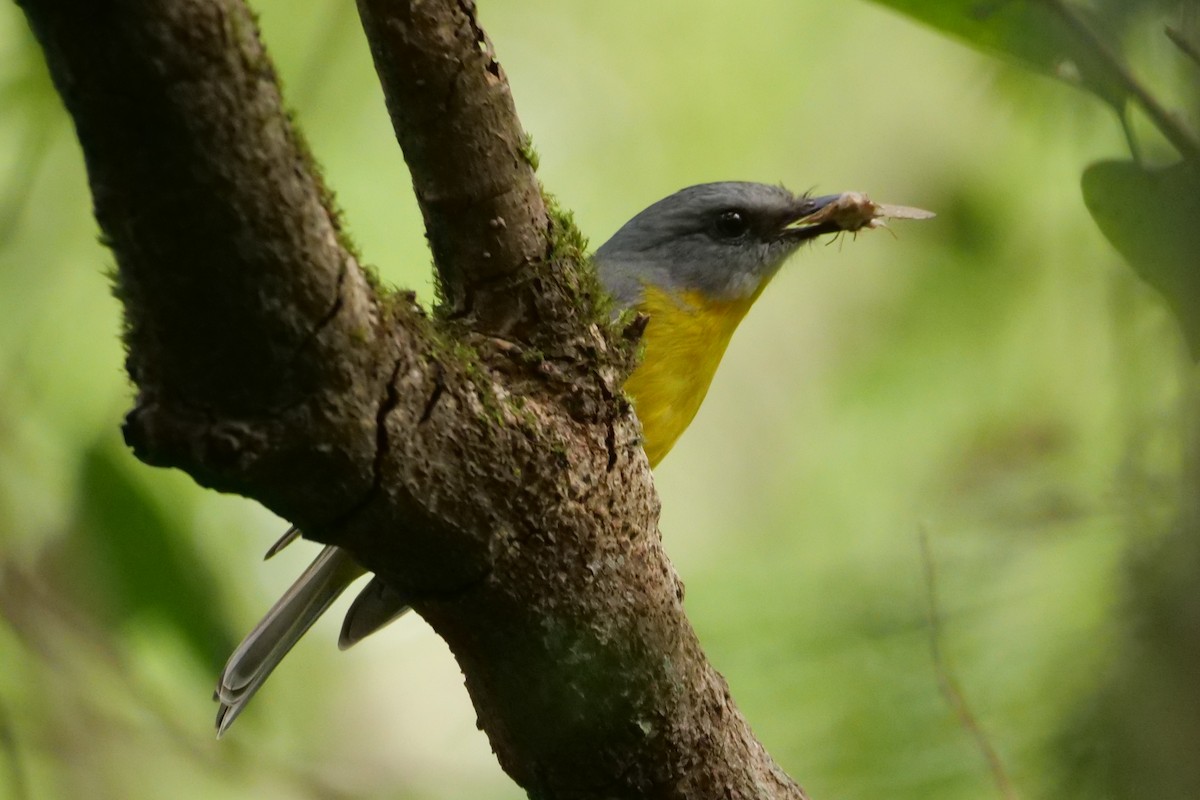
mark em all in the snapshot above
pixel 685 339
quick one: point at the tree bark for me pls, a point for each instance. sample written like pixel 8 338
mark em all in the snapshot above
pixel 483 461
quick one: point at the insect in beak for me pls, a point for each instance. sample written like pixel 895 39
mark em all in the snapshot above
pixel 850 211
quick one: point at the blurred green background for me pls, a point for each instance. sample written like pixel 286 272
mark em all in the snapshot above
pixel 996 379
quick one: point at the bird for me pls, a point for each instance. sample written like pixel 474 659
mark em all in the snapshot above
pixel 693 263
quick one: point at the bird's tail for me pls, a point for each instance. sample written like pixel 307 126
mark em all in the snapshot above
pixel 377 605
pixel 265 646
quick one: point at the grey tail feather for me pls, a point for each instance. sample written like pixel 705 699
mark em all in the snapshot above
pixel 289 536
pixel 376 606
pixel 293 614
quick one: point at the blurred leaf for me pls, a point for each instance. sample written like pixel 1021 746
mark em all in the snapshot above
pixel 1152 217
pixel 143 559
pixel 1028 31
pixel 1136 737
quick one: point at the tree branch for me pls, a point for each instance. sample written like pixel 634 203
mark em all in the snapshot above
pixel 469 157
pixel 247 320
pixel 500 486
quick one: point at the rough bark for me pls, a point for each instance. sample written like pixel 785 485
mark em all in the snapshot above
pixel 499 481
pixel 469 158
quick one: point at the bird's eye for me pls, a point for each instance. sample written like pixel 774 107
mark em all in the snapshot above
pixel 731 224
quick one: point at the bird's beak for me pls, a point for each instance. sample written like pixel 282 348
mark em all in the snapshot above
pixel 806 223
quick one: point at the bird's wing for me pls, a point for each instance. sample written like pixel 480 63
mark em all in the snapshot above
pixel 294 613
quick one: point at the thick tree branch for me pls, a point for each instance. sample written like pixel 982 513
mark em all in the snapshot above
pixel 205 196
pixel 247 321
pixel 468 155
pixel 500 486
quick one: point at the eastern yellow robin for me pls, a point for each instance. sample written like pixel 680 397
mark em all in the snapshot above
pixel 694 263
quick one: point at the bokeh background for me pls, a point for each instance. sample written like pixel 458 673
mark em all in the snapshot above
pixel 995 382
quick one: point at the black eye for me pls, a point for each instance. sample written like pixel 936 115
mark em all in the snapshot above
pixel 731 224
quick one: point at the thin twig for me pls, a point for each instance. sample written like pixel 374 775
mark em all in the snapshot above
pixel 1135 149
pixel 947 683
pixel 1183 43
pixel 1183 139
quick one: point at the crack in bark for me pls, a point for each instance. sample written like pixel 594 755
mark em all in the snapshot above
pixel 326 318
pixel 610 442
pixel 390 400
pixel 610 430
pixel 439 388
pixel 467 7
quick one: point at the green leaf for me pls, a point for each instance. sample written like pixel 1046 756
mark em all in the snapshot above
pixel 142 558
pixel 1027 31
pixel 1152 218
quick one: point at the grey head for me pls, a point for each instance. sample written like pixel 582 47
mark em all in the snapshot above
pixel 722 239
